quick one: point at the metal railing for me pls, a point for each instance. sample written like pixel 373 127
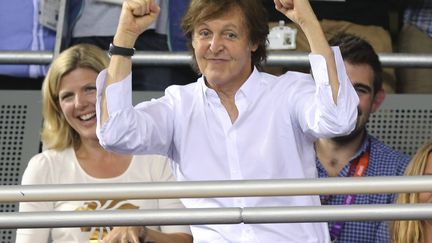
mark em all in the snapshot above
pixel 194 216
pixel 205 189
pixel 151 58
pixel 222 188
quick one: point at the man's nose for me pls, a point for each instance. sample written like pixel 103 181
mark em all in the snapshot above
pixel 216 44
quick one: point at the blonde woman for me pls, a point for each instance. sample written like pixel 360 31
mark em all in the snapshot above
pixel 415 231
pixel 73 155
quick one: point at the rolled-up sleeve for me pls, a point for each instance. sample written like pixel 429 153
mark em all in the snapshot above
pixel 327 119
pixel 119 98
pixel 143 129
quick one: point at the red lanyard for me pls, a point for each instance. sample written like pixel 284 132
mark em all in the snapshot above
pixel 360 165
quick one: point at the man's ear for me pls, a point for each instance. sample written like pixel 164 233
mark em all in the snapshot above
pixel 378 100
pixel 253 47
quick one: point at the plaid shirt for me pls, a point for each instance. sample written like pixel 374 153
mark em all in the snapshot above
pixel 420 15
pixel 383 161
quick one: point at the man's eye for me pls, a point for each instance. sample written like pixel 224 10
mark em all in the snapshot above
pixel 361 91
pixel 204 33
pixel 231 35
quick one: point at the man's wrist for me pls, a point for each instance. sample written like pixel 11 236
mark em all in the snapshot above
pixel 124 39
pixel 119 50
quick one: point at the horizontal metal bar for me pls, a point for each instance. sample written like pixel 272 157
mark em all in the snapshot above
pixel 280 58
pixel 227 188
pixel 25 57
pixel 328 213
pixel 59 219
pixel 372 212
pixel 406 60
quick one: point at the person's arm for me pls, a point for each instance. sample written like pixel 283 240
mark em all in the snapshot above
pixel 138 234
pixel 301 13
pixel 135 17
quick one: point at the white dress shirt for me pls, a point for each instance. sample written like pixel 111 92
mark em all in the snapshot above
pixel 272 138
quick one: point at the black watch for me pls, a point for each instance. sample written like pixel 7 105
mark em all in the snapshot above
pixel 122 51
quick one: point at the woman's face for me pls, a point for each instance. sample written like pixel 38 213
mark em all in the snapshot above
pixel 223 50
pixel 426 197
pixel 77 99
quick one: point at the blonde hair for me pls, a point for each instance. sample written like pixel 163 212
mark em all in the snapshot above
pixel 56 131
pixel 411 230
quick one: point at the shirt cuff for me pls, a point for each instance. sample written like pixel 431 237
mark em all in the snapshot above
pixel 118 96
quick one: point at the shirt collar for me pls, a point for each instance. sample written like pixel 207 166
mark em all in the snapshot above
pixel 250 89
pixel 363 147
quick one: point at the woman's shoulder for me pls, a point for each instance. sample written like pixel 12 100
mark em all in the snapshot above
pixel 52 158
pixel 53 154
pixel 43 167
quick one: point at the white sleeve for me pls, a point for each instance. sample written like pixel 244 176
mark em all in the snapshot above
pixel 161 171
pixel 37 172
pixel 144 129
pixel 322 117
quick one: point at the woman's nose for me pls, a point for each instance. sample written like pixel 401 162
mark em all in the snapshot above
pixel 80 101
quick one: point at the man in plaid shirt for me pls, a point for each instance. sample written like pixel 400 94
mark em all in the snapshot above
pixel 359 154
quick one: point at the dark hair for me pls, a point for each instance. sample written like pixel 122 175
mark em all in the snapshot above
pixel 356 50
pixel 256 20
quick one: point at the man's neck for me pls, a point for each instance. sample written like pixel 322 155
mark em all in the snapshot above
pixel 335 153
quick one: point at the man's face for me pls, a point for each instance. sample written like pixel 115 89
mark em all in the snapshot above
pixel 362 78
pixel 223 50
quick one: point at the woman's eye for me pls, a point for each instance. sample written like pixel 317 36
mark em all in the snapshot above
pixel 65 97
pixel 90 89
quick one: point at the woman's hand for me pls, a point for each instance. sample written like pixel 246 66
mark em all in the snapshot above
pixel 131 234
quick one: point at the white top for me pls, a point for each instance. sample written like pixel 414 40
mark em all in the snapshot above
pixel 54 167
pixel 279 119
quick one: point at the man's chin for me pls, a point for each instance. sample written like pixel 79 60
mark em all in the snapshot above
pixel 350 137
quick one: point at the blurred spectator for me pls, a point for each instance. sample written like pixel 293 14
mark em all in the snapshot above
pixel 359 154
pixel 177 41
pixel 21 31
pixel 96 24
pixel 369 19
pixel 416 37
pixel 407 231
